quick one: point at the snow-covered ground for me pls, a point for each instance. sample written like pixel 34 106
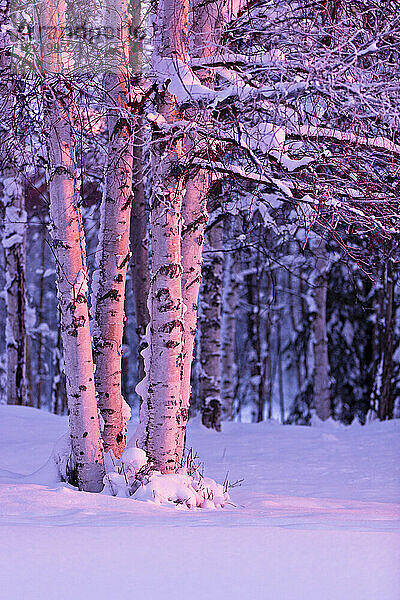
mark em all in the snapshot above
pixel 316 517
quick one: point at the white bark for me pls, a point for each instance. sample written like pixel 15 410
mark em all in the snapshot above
pixel 382 398
pixel 14 242
pixel 14 231
pixel 41 367
pixel 162 419
pixel 206 32
pixel 194 213
pixel 139 216
pixel 204 35
pixel 386 404
pixel 113 253
pixel 229 307
pixel 140 254
pixel 58 387
pixel 69 250
pixel 210 328
pixel 321 387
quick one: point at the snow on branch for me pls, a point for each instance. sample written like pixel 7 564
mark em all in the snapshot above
pixel 183 83
pixel 236 170
pixel 377 143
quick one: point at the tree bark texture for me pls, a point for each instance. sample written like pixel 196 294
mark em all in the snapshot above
pixel 163 418
pixel 14 243
pixel 203 42
pixel 321 386
pixel 229 306
pixel 210 328
pixel 113 254
pixel 140 254
pixel 14 231
pixel 266 381
pixel 194 213
pixel 41 365
pixel 139 215
pixel 58 386
pixel 386 396
pixel 206 23
pixel 68 245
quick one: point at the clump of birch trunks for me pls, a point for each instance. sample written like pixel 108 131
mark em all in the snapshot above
pixel 133 476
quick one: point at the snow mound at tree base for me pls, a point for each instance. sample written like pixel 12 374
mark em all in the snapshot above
pixel 183 489
pixel 133 476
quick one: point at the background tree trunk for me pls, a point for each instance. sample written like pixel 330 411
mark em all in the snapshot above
pixel 229 307
pixel 266 382
pixel 41 366
pixel 58 386
pixel 386 400
pixel 210 328
pixel 14 243
pixel 321 386
pixel 14 232
pixel 139 216
pixel 140 254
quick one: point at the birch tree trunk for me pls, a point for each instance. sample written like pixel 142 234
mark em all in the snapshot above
pixel 266 375
pixel 293 320
pixel 257 285
pixel 266 382
pixel 139 215
pixel 109 279
pixel 68 247
pixel 228 362
pixel 163 419
pixel 377 344
pixel 14 232
pixel 386 400
pixel 58 386
pixel 41 366
pixel 279 359
pixel 194 213
pixel 14 243
pixel 140 254
pixel 303 311
pixel 210 328
pixel 203 42
pixel 321 386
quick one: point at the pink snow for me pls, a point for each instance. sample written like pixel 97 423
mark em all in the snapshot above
pixel 317 516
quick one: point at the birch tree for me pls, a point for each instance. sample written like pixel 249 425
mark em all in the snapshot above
pixel 206 27
pixel 386 404
pixel 210 328
pixel 68 246
pixel 139 216
pixel 194 213
pixel 382 400
pixel 321 386
pixel 14 243
pixel 162 417
pixel 113 252
pixel 230 303
pixel 14 232
pixel 203 42
pixel 140 253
